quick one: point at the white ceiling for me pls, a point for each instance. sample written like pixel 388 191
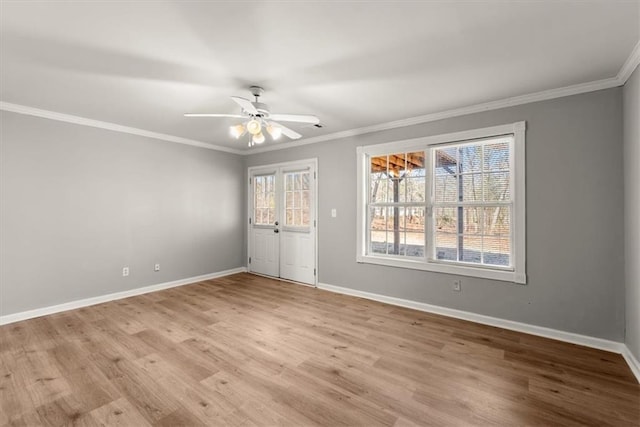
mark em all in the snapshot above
pixel 353 64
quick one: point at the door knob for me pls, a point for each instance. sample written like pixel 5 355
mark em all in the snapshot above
pixel 276 231
pixel 276 223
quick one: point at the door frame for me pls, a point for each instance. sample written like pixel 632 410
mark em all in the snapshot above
pixel 276 166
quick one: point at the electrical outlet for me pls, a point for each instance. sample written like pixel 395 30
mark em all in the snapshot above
pixel 125 271
pixel 156 267
pixel 457 285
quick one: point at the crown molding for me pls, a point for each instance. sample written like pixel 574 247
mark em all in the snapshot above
pixel 629 65
pixel 456 112
pixel 620 79
pixel 61 117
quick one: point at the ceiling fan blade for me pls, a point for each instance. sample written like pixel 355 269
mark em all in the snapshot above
pixel 298 118
pixel 235 116
pixel 290 133
pixel 246 105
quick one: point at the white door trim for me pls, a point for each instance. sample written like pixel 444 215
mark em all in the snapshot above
pixel 249 212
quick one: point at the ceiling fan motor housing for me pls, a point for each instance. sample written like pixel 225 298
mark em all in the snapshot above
pixel 263 109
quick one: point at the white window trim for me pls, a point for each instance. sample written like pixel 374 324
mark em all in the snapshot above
pixel 515 274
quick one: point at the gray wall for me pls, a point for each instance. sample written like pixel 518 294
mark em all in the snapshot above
pixel 79 203
pixel 632 210
pixel 574 218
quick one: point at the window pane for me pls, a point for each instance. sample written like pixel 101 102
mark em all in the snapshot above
pixel 446 188
pixel 497 251
pixel 496 187
pixel 446 220
pixel 397 164
pixel 289 217
pixel 377 217
pixel 470 249
pixel 296 200
pixel 415 165
pixel 378 242
pixel 379 166
pixel 305 200
pixel 394 191
pixel 414 245
pixel 415 219
pixel 390 218
pixel 305 181
pixel 472 187
pixel 446 161
pixel 378 231
pixel 288 182
pixel 472 223
pixel 392 248
pixel 496 156
pixel 446 245
pixel 271 216
pixel 380 190
pixel 297 181
pixel 470 158
pixel 414 231
pixel 497 221
pixel 415 188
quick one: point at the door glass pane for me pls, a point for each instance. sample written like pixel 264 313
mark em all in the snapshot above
pixel 263 200
pixel 297 196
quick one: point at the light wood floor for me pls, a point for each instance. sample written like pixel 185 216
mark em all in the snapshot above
pixel 246 350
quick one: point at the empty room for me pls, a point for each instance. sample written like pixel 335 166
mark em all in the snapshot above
pixel 320 213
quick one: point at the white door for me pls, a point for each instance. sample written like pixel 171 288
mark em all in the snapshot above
pixel 282 221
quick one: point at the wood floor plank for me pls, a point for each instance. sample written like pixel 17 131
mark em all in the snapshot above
pixel 119 412
pixel 246 350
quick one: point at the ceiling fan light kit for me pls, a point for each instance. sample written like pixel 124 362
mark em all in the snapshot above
pixel 237 131
pixel 254 127
pixel 259 116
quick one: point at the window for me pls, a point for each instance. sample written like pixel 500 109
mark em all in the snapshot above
pixel 396 204
pixel 450 203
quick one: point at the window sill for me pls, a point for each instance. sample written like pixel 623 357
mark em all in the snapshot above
pixel 439 267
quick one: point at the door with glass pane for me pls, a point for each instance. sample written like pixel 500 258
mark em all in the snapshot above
pixel 282 221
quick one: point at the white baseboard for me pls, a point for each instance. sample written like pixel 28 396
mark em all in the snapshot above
pixel 570 337
pixel 632 362
pixel 30 314
pixel 587 341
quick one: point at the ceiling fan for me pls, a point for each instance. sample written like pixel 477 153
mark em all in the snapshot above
pixel 258 117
